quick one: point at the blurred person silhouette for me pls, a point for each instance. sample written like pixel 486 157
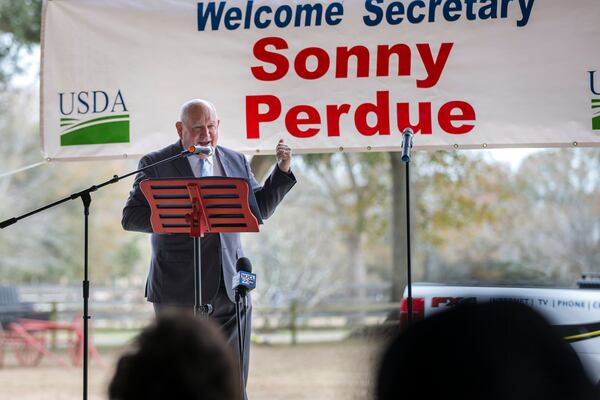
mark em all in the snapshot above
pixel 491 351
pixel 177 357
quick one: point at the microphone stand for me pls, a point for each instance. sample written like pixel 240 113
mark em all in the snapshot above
pixel 86 198
pixel 407 143
pixel 408 262
pixel 238 318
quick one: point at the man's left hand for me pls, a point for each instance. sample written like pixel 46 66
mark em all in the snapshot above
pixel 284 156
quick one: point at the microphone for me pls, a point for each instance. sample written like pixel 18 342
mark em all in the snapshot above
pixel 244 280
pixel 407 143
pixel 202 150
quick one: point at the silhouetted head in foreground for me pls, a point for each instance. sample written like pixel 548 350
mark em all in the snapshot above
pixel 491 351
pixel 177 357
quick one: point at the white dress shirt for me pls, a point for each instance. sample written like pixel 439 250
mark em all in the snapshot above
pixel 213 166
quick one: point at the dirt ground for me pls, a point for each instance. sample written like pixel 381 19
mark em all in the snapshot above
pixel 333 371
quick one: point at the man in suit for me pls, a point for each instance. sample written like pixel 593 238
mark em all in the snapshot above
pixel 170 284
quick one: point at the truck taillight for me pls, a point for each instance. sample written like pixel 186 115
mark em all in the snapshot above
pixel 418 304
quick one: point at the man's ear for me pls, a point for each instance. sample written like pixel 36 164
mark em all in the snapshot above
pixel 179 127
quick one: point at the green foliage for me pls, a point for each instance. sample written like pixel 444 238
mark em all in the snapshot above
pixel 474 219
pixel 457 191
pixel 560 210
pixel 538 225
pixel 350 190
pixel 48 247
pixel 356 186
pixel 20 23
pixel 31 248
pixel 22 19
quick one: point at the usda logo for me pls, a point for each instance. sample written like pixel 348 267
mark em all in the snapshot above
pixel 93 117
pixel 595 103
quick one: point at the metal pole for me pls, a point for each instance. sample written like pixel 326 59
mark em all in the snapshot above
pixel 197 277
pixel 240 345
pixel 408 263
pixel 87 199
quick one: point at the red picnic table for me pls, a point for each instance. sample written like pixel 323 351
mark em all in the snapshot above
pixel 29 340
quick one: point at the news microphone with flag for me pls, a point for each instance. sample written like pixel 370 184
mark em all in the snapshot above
pixel 201 150
pixel 407 143
pixel 244 280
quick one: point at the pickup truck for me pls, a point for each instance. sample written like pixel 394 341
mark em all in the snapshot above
pixel 575 313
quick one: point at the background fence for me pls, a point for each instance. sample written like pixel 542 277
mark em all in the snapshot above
pixel 117 314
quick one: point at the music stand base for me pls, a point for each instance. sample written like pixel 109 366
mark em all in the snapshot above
pixel 203 310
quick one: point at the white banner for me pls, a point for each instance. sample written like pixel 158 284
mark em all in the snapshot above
pixel 323 75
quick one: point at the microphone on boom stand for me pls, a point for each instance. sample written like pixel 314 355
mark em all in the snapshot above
pixel 407 144
pixel 243 282
pixel 86 198
pixel 199 150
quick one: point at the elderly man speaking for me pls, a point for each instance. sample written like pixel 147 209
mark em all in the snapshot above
pixel 170 284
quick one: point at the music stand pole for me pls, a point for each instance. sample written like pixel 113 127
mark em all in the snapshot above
pixel 197 275
pixel 198 226
pixel 200 309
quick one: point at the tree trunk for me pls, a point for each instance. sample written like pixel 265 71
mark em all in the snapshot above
pixel 427 266
pixel 359 267
pixel 399 264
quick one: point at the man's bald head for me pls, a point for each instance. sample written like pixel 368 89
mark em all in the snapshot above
pixel 196 103
pixel 198 124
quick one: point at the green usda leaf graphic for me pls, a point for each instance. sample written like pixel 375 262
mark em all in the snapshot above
pixel 102 130
pixel 596 117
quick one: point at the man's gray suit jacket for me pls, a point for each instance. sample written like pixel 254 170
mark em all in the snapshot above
pixel 171 276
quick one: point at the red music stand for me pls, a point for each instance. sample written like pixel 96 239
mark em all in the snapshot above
pixel 197 206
